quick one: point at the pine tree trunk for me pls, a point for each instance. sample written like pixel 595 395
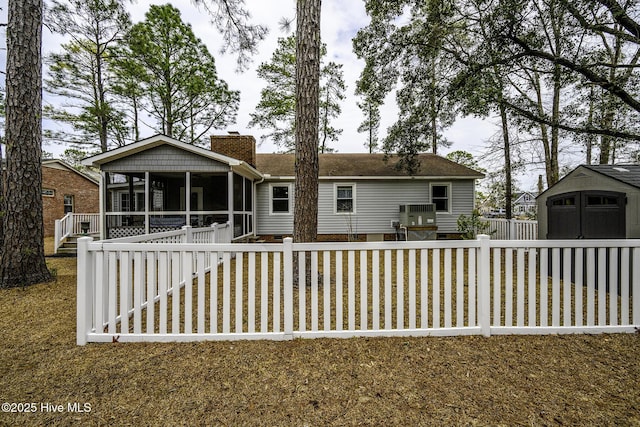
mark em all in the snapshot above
pixel 22 259
pixel 305 222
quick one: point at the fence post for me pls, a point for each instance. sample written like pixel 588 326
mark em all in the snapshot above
pixel 484 288
pixel 288 287
pixel 85 283
pixel 56 236
pixel 214 227
pixel 511 229
pixel 188 234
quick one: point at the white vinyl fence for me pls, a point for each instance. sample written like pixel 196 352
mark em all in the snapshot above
pixel 512 229
pixel 193 291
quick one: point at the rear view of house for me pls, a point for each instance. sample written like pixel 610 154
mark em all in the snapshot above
pixel 159 183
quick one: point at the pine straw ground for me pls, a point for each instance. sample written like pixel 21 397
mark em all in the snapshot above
pixel 551 380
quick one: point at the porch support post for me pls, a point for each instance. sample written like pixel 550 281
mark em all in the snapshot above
pixel 102 204
pixel 147 201
pixel 187 193
pixel 230 201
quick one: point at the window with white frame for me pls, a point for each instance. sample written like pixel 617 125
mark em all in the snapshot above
pixel 345 198
pixel 68 203
pixel 441 197
pixel 280 199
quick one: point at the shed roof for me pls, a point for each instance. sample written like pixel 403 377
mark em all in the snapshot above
pixel 628 174
pixel 354 165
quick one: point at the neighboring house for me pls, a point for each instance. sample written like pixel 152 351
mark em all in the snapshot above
pixel 592 202
pixel 64 190
pixel 359 194
pixel 525 204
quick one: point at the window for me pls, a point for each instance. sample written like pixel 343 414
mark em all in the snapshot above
pixel 440 195
pixel 280 199
pixel 48 192
pixel 345 200
pixel 125 205
pixel 68 204
pixel 564 201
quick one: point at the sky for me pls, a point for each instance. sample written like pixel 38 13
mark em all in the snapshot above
pixel 340 21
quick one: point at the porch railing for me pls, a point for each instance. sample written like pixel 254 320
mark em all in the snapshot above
pixel 71 225
pixel 216 233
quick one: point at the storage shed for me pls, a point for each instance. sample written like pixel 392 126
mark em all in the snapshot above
pixel 592 202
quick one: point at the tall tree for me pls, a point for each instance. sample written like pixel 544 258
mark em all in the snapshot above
pixel 371 123
pixel 410 57
pixel 186 97
pixel 22 259
pixel 80 72
pixel 231 18
pixel 305 222
pixel 276 109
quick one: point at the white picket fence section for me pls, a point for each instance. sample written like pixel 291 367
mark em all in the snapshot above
pixel 70 225
pixel 512 229
pixel 194 291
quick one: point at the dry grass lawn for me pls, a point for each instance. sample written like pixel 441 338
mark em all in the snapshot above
pixel 552 380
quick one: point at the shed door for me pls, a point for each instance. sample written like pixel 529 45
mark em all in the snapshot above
pixel 563 213
pixel 603 215
pixel 587 215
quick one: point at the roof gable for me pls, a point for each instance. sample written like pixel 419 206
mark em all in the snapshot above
pixel 163 140
pixel 367 165
pixel 59 164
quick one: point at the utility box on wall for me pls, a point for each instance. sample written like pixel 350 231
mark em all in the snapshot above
pixel 418 215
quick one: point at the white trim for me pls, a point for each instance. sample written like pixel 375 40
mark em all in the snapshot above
pixel 449 195
pixel 268 177
pixel 335 197
pixel 270 197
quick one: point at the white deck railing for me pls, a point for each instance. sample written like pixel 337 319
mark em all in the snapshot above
pixel 71 224
pixel 216 233
pixel 189 291
pixel 512 229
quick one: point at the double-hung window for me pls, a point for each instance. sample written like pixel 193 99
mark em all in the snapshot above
pixel 68 203
pixel 280 199
pixel 441 197
pixel 345 198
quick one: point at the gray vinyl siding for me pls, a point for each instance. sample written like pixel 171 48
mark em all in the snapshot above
pixel 376 204
pixel 165 158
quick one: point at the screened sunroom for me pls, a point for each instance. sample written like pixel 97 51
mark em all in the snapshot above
pixel 160 184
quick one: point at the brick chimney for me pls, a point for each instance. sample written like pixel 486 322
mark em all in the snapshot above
pixel 234 145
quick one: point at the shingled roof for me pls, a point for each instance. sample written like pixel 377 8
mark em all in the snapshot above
pixel 365 165
pixel 629 174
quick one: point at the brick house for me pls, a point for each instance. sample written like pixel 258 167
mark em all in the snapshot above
pixel 64 190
